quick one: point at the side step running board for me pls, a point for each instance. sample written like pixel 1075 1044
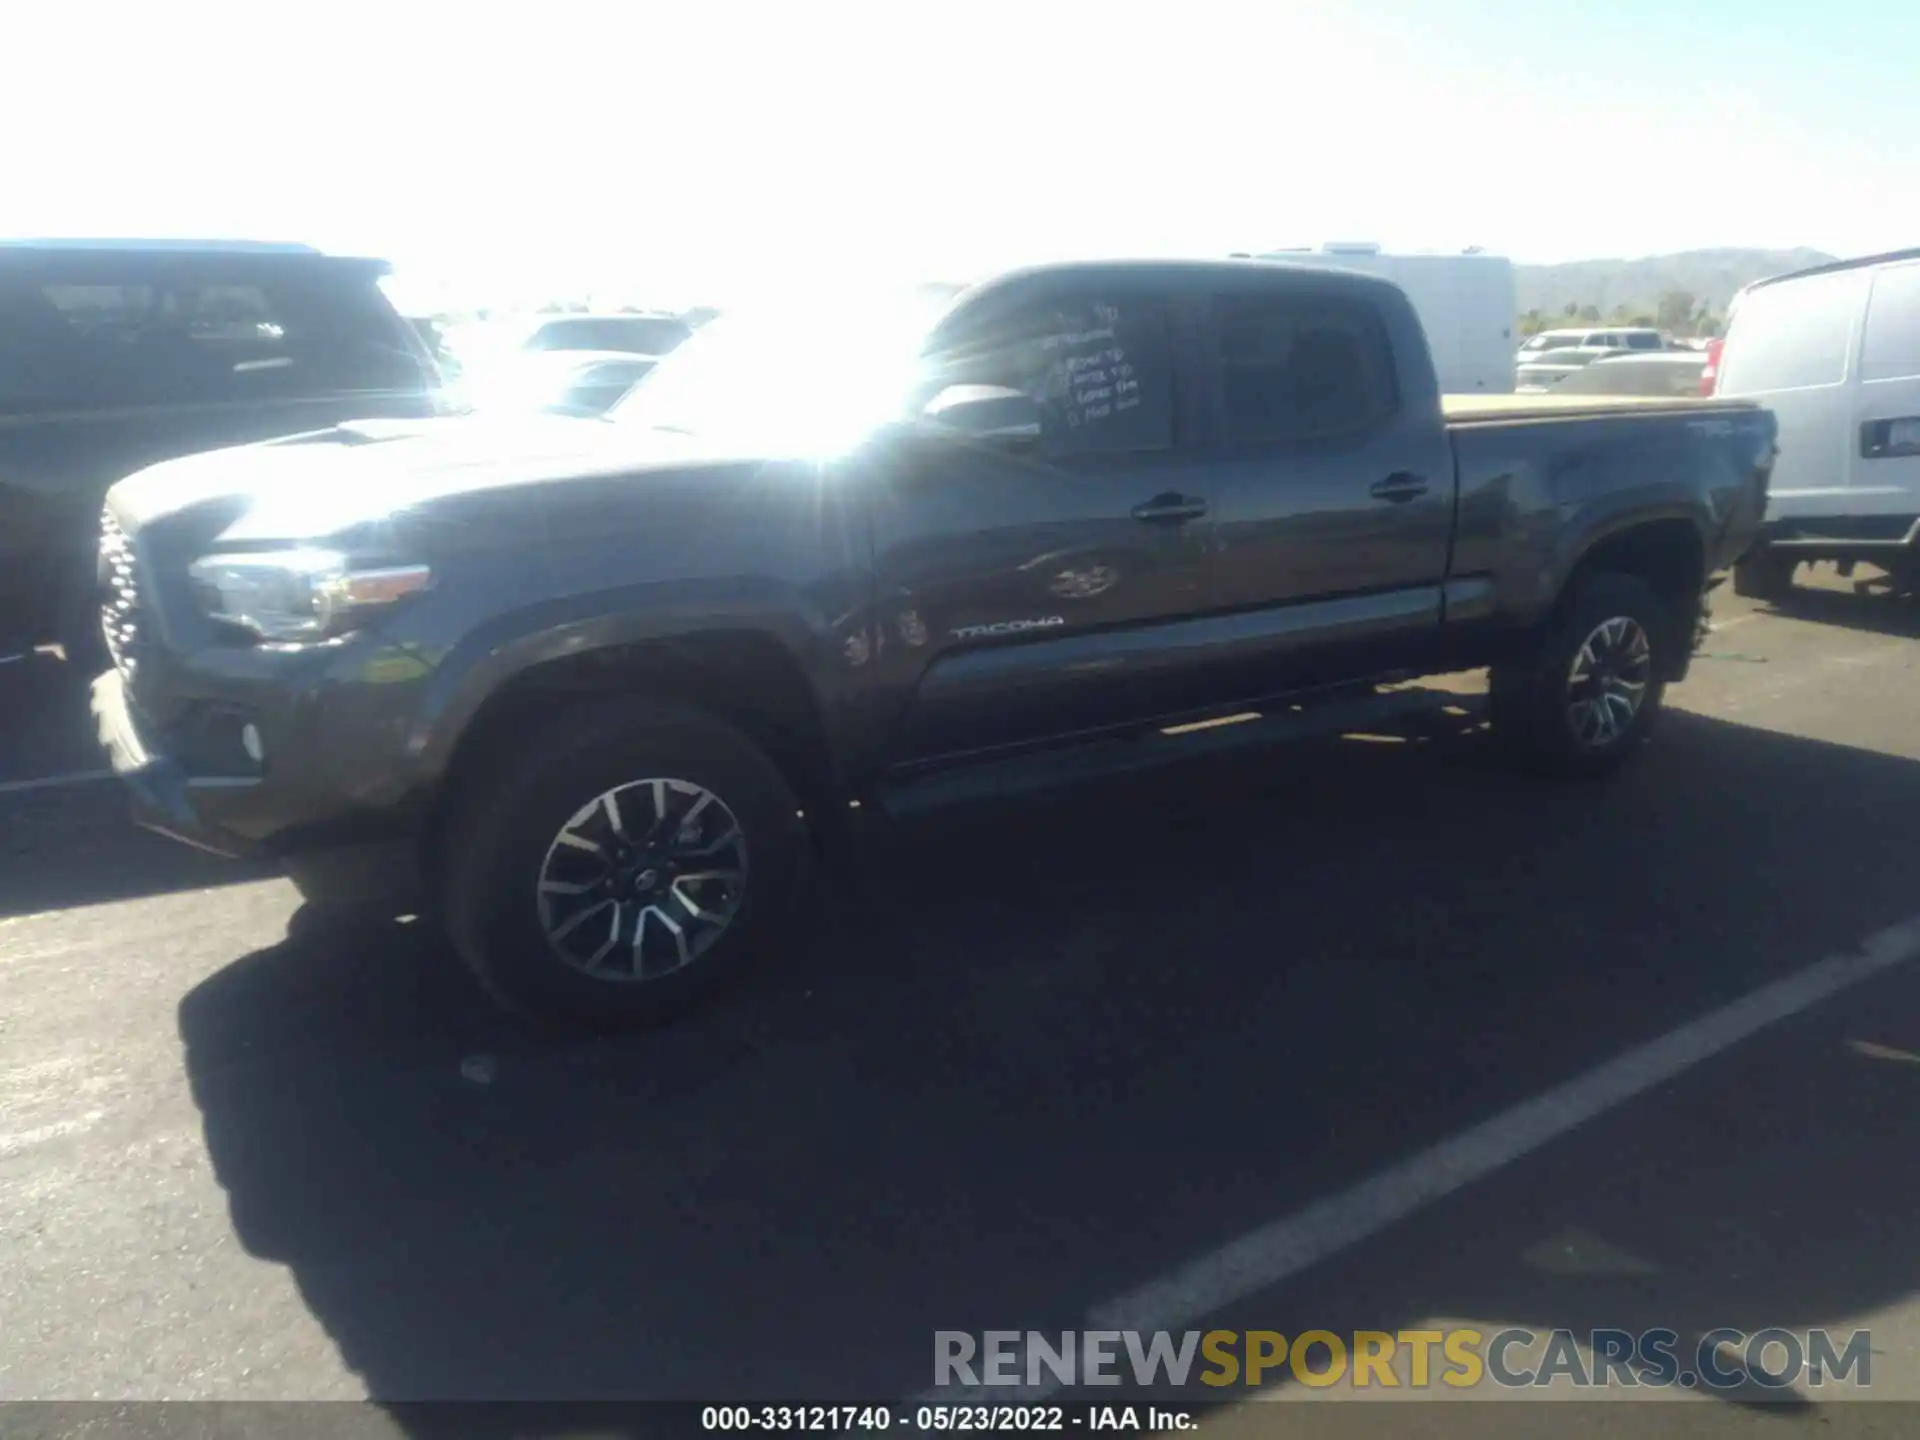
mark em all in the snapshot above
pixel 1030 774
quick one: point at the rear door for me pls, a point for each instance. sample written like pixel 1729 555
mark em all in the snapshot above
pixel 1786 348
pixel 1335 482
pixel 1885 483
pixel 1030 591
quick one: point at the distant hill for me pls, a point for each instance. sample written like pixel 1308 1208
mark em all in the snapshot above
pixel 1710 276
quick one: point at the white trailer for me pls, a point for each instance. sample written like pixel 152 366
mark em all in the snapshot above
pixel 1465 303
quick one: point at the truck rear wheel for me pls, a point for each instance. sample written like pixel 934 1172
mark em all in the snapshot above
pixel 615 869
pixel 1586 694
pixel 1763 574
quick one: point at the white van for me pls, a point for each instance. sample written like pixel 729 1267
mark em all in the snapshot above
pixel 1834 352
pixel 1465 303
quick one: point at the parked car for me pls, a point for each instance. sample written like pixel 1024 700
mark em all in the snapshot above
pixel 1549 368
pixel 653 335
pixel 1670 373
pixel 1606 337
pixel 603 685
pixel 564 382
pixel 115 354
pixel 1834 351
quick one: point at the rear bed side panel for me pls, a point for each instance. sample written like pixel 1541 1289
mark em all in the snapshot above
pixel 1537 495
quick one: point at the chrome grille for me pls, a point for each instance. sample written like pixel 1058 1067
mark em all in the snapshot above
pixel 120 596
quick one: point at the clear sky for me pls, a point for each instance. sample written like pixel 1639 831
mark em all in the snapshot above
pixel 699 143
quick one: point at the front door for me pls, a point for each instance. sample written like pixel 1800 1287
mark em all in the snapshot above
pixel 1023 584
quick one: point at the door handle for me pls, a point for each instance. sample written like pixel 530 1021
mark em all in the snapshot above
pixel 1170 509
pixel 1890 439
pixel 1398 488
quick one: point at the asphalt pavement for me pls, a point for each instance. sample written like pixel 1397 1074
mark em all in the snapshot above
pixel 1129 1047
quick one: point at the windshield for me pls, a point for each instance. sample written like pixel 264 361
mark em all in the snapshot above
pixel 805 377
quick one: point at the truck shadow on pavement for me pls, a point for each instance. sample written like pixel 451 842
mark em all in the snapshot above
pixel 75 845
pixel 1874 609
pixel 1082 1045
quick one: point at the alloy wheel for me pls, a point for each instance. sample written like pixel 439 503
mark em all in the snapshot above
pixel 1607 682
pixel 643 880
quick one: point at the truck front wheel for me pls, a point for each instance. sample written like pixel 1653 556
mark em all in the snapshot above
pixel 611 870
pixel 1586 693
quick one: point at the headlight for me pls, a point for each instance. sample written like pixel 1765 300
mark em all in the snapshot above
pixel 295 595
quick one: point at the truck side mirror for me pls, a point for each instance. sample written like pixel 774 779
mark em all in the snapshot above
pixel 992 413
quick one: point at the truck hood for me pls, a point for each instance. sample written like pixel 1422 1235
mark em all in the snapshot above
pixel 318 483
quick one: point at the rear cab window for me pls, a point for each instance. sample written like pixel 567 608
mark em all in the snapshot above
pixel 88 338
pixel 1793 335
pixel 1301 369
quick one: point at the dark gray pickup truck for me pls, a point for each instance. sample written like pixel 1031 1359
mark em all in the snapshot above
pixel 603 684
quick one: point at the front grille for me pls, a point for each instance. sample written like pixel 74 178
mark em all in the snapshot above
pixel 120 596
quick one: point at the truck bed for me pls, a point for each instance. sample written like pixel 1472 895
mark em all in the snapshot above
pixel 1496 409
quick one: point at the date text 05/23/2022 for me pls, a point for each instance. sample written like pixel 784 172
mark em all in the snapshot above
pixel 942 1418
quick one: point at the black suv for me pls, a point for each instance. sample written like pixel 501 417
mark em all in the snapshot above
pixel 118 354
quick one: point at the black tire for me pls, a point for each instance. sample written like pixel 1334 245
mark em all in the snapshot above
pixel 1763 574
pixel 1533 694
pixel 77 624
pixel 503 833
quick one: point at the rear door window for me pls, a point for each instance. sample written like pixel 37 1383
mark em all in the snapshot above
pixel 1642 340
pixel 1791 336
pixel 1890 349
pixel 1295 370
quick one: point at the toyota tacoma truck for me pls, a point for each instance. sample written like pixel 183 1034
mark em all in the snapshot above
pixel 604 686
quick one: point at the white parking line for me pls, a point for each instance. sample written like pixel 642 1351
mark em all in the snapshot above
pixel 1275 1252
pixel 54 782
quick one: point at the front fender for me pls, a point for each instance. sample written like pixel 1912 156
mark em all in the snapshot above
pixel 479 665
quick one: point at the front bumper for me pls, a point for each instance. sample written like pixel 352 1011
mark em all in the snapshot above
pixel 164 797
pixel 241 818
